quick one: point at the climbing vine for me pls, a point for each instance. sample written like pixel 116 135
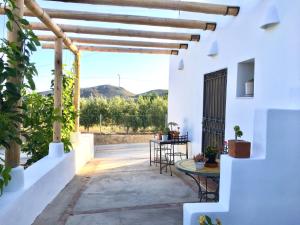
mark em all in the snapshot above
pixel 16 76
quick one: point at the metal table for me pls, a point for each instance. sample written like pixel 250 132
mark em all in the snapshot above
pixel 165 145
pixel 188 167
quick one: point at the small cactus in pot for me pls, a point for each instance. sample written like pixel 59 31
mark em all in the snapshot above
pixel 239 148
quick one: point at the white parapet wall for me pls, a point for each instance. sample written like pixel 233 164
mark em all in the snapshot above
pixel 43 181
pixel 264 189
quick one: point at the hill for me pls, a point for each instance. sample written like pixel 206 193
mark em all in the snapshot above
pixel 159 92
pixel 110 91
pixel 107 91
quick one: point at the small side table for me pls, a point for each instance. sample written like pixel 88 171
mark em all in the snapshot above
pixel 188 167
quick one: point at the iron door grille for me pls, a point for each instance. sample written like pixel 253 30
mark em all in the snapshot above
pixel 214 109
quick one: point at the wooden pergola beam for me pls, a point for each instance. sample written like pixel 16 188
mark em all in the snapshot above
pixel 77 93
pixel 57 125
pixel 119 42
pixel 118 50
pixel 163 4
pixel 12 154
pixel 119 32
pixel 45 18
pixel 126 19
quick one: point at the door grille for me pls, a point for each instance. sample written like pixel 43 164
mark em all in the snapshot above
pixel 214 109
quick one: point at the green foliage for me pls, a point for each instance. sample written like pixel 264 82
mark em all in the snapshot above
pixel 211 153
pixel 68 112
pixel 4 176
pixel 166 131
pixel 238 132
pixel 129 113
pixel 16 75
pixel 15 66
pixel 206 220
pixel 172 125
pixel 40 117
pixel 38 126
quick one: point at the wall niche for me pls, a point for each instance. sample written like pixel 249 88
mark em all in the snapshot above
pixel 245 78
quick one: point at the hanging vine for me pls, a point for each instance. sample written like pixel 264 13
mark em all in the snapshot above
pixel 16 76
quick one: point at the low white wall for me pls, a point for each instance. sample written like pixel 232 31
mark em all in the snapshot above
pixel 263 189
pixel 43 181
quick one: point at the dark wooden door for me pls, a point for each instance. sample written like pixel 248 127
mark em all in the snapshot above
pixel 214 109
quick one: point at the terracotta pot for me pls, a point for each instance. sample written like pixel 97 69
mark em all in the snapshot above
pixel 173 134
pixel 239 148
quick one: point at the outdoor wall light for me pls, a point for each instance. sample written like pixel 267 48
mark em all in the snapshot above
pixel 214 49
pixel 271 18
pixel 181 65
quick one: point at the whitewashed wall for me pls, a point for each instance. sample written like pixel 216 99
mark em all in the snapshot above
pixel 43 181
pixel 277 72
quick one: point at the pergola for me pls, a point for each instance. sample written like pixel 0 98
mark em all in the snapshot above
pixel 62 40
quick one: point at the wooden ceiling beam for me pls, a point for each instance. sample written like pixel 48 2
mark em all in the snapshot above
pixel 118 50
pixel 163 4
pixel 49 24
pixel 119 42
pixel 125 19
pixel 120 32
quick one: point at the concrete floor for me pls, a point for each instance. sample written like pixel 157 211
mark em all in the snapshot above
pixel 120 188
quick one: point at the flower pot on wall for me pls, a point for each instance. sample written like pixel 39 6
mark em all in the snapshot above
pixel 239 148
pixel 249 88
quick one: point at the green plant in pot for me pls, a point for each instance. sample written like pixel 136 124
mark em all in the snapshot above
pixel 173 133
pixel 211 153
pixel 239 148
pixel 165 135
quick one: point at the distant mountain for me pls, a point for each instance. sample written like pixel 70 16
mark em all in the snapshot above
pixel 109 91
pixel 159 92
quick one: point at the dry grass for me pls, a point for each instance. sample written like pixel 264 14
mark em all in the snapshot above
pixel 115 130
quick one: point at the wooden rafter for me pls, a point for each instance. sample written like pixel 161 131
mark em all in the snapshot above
pixel 49 24
pixel 120 32
pixel 118 50
pixel 119 42
pixel 127 19
pixel 164 4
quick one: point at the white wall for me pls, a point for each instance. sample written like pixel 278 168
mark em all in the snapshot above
pixel 260 190
pixel 43 181
pixel 277 73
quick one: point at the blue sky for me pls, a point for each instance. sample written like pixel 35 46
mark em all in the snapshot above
pixel 139 72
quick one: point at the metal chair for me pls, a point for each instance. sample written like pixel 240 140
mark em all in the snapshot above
pixel 171 154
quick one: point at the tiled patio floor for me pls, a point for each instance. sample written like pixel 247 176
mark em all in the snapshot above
pixel 120 188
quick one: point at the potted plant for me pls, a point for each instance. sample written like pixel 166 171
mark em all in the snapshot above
pixel 206 220
pixel 239 148
pixel 199 161
pixel 165 135
pixel 173 132
pixel 249 87
pixel 211 153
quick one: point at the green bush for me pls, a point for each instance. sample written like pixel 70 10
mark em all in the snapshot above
pixel 38 124
pixel 129 113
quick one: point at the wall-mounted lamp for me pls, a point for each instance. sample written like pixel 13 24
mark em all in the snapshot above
pixel 214 49
pixel 271 18
pixel 181 65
